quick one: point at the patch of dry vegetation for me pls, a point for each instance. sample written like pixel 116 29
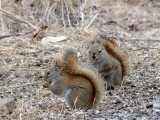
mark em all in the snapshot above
pixel 23 59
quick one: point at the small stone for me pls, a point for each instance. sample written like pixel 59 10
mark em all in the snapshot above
pixel 8 102
pixel 150 105
pixel 156 104
pixel 116 102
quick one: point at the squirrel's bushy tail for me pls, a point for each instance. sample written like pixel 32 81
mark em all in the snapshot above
pixel 69 60
pixel 116 53
pixel 70 63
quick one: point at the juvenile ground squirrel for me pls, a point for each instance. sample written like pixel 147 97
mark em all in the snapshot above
pixel 110 61
pixel 81 86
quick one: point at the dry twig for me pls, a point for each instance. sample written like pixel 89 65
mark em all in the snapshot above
pixel 63 13
pixel 1 15
pixel 15 17
pixel 16 34
pixel 68 16
pixel 91 21
pixel 145 48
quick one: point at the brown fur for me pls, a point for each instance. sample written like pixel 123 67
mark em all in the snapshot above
pixel 75 75
pixel 116 53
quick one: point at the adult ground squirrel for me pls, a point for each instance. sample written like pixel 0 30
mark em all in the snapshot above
pixel 110 61
pixel 81 86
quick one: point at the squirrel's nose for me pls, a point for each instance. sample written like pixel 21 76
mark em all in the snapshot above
pixel 94 56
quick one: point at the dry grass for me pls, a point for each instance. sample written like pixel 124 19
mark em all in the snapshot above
pixel 24 59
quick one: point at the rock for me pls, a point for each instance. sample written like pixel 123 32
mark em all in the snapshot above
pixel 156 104
pixel 8 102
pixel 150 105
pixel 49 40
pixel 117 101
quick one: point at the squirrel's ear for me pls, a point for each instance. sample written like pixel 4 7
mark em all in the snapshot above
pixel 95 41
pixel 58 64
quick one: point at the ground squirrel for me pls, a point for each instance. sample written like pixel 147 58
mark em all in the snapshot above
pixel 81 86
pixel 110 61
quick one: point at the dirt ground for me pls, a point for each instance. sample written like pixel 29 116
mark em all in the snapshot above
pixel 23 59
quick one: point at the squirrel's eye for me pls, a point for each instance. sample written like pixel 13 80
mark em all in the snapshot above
pixel 100 51
pixel 89 51
pixel 48 72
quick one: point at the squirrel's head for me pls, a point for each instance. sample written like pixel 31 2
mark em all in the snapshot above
pixel 56 78
pixel 97 52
